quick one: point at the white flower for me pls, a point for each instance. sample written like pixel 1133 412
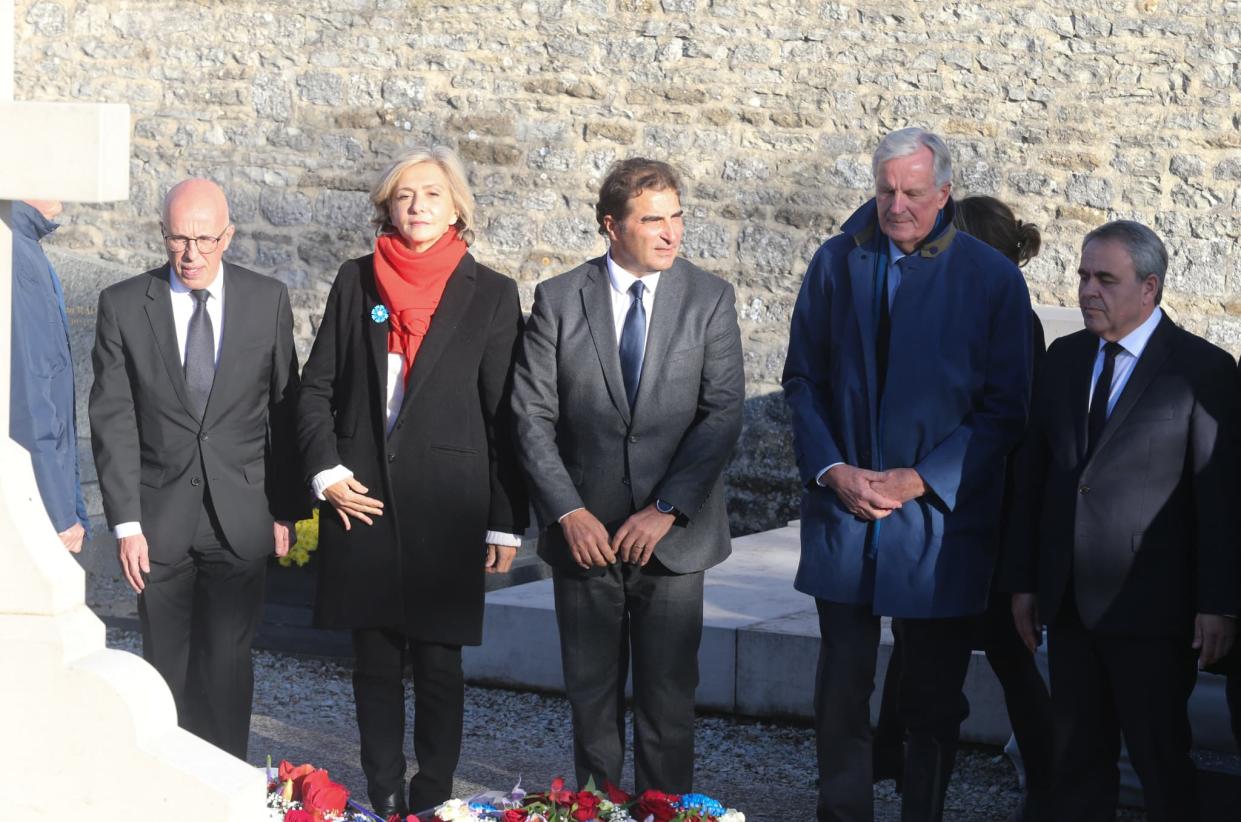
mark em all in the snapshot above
pixel 455 810
pixel 732 815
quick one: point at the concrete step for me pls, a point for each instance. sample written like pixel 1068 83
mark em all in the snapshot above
pixel 759 648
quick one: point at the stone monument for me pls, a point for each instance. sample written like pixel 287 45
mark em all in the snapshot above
pixel 89 733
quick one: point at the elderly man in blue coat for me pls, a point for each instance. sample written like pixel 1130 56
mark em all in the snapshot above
pixel 908 376
pixel 41 416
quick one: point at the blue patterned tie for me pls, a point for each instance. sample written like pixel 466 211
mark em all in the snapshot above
pixel 200 353
pixel 633 343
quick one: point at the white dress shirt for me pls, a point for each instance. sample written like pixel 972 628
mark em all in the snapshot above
pixel 395 391
pixel 1133 344
pixel 182 310
pixel 622 281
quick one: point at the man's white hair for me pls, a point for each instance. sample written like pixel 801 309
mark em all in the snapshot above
pixel 906 141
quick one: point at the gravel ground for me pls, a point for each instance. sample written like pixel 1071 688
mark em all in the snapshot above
pixel 303 711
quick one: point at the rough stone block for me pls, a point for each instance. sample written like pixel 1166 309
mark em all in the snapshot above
pixel 282 207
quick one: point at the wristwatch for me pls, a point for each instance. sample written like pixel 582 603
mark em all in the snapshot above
pixel 666 508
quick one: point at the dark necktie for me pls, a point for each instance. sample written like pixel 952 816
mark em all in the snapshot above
pixel 633 343
pixel 1098 400
pixel 199 353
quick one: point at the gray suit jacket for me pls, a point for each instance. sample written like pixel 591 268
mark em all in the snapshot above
pixel 578 441
pixel 155 457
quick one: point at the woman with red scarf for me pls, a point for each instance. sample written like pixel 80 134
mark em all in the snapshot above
pixel 404 431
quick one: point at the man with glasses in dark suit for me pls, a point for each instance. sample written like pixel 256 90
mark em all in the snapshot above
pixel 192 430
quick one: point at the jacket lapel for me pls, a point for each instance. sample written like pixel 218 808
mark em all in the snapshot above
pixel 1153 356
pixel 375 334
pixel 453 304
pixel 159 314
pixel 597 304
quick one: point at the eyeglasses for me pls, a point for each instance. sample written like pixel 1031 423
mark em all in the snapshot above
pixel 206 245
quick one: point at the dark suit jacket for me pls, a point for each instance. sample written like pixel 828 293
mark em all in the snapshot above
pixel 1147 525
pixel 154 456
pixel 446 474
pixel 579 442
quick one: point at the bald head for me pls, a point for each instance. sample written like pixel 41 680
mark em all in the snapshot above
pixel 197 195
pixel 196 210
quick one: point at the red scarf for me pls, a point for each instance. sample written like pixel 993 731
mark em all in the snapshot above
pixel 411 285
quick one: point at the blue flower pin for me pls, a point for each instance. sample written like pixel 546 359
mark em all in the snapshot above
pixel 379 314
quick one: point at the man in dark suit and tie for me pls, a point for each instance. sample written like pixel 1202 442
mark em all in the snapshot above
pixel 1123 530
pixel 628 396
pixel 191 423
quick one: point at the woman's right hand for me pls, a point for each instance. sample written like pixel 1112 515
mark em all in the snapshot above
pixel 349 499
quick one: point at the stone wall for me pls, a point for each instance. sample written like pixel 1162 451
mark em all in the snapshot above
pixel 1075 111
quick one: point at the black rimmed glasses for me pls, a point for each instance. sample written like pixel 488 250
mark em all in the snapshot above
pixel 207 244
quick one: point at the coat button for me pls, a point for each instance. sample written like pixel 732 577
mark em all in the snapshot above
pixel 1083 490
pixel 392 458
pixel 625 480
pixel 633 438
pixel 196 481
pixel 203 436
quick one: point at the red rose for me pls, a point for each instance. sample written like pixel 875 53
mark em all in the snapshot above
pixel 615 794
pixel 657 804
pixel 320 795
pixel 587 806
pixel 287 771
pixel 558 794
pixel 514 815
pixel 298 815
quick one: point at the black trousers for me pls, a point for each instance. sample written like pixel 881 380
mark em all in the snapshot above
pixel 654 617
pixel 380 655
pixel 1102 686
pixel 199 616
pixel 934 657
pixel 1025 696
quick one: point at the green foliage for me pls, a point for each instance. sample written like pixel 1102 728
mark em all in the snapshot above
pixel 307 542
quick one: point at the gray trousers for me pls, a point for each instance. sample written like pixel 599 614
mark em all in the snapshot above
pixel 654 618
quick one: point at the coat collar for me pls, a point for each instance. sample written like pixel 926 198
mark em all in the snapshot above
pixel 28 222
pixel 863 225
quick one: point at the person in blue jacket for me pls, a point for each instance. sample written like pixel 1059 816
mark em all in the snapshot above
pixel 908 377
pixel 41 415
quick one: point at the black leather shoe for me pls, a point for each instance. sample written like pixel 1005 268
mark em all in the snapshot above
pixel 392 804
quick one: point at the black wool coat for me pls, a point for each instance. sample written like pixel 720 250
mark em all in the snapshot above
pixel 447 472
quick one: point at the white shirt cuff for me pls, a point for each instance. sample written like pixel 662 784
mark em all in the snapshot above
pixel 502 538
pixel 327 478
pixel 566 513
pixel 819 477
pixel 127 529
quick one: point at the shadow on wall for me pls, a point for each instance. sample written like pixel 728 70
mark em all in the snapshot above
pixel 762 484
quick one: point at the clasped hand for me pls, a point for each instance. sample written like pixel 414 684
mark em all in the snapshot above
pixel 873 495
pixel 633 542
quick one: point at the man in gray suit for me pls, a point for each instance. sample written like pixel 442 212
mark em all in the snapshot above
pixel 191 421
pixel 628 396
